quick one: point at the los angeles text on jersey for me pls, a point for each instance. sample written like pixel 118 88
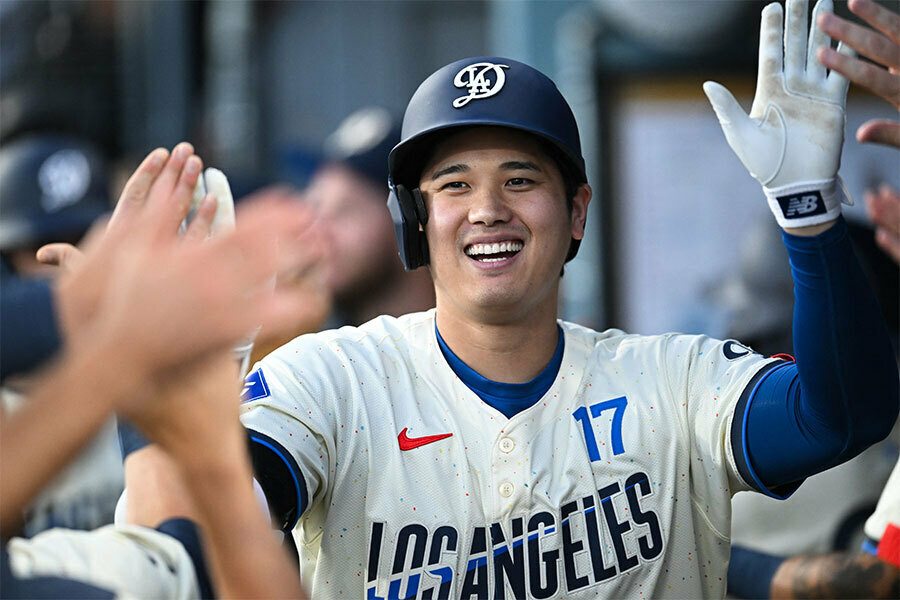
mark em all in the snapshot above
pixel 530 556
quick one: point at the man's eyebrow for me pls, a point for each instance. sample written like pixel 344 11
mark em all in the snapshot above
pixel 515 165
pixel 449 170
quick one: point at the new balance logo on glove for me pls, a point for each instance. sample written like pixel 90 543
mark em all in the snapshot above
pixel 807 204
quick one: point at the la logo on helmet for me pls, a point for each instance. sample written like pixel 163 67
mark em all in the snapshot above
pixel 475 77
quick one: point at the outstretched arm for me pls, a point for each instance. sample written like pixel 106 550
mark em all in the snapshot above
pixel 841 395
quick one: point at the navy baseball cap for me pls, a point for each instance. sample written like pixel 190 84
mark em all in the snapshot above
pixel 51 188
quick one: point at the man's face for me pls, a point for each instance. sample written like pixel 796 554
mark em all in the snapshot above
pixel 498 227
pixel 359 235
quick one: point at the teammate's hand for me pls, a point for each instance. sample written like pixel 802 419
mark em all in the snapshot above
pixel 791 141
pixel 883 207
pixel 195 411
pixel 156 196
pixel 883 49
pixel 306 281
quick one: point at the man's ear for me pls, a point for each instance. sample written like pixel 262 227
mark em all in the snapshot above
pixel 579 210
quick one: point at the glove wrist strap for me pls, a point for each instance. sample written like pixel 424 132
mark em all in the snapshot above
pixel 806 203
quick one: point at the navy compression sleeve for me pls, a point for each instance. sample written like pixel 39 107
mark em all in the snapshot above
pixel 841 395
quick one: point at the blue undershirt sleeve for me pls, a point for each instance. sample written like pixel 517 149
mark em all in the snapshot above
pixel 841 395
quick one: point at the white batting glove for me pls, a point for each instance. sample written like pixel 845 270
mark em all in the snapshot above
pixel 791 141
pixel 213 181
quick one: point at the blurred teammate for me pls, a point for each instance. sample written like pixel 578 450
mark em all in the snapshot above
pixel 362 269
pixel 359 273
pixel 158 315
pixel 52 188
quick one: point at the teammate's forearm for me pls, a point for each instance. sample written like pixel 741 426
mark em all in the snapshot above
pixel 62 415
pixel 836 576
pixel 245 558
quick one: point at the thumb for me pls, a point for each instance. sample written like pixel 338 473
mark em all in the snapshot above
pixel 732 118
pixel 65 256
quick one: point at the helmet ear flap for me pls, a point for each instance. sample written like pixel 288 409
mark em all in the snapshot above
pixel 419 204
pixel 408 213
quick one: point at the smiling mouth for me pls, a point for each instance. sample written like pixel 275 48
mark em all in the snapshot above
pixel 494 252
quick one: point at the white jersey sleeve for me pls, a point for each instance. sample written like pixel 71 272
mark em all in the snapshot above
pixel 709 378
pixel 887 513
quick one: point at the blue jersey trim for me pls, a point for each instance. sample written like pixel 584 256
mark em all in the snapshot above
pixel 745 465
pixel 871 546
pixel 292 467
pixel 509 398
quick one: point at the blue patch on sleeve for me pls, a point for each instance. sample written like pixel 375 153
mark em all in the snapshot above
pixel 255 386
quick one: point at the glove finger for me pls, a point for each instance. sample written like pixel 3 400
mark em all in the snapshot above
pixel 815 71
pixel 837 84
pixel 217 183
pixel 795 40
pixel 770 51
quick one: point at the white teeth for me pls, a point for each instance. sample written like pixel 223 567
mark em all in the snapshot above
pixel 494 248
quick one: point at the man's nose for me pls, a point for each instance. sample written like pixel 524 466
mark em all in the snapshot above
pixel 488 207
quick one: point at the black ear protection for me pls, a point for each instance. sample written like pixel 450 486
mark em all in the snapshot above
pixel 408 213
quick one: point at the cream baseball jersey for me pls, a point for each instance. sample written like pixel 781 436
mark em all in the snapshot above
pixel 883 527
pixel 616 483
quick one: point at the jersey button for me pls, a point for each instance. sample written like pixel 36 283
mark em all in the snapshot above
pixel 507 445
pixel 506 489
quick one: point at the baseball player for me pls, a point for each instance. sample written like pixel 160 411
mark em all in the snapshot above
pixel 485 449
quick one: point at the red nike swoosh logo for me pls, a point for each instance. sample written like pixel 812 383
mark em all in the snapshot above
pixel 408 443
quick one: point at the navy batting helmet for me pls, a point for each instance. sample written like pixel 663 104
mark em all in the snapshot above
pixel 478 91
pixel 52 188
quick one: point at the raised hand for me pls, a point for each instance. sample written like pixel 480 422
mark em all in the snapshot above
pixel 883 48
pixel 791 140
pixel 883 207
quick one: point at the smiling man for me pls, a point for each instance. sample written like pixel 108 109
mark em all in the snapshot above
pixel 486 449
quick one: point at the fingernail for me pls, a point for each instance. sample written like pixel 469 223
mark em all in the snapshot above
pixel 182 150
pixel 158 157
pixel 193 166
pixel 47 256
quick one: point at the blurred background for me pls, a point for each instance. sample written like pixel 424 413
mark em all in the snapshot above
pixel 258 86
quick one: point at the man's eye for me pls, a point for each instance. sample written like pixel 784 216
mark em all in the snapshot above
pixel 519 181
pixel 454 185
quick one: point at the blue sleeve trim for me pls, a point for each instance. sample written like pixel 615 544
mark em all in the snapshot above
pixel 739 435
pixel 293 468
pixel 187 532
pixel 130 439
pixel 871 546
